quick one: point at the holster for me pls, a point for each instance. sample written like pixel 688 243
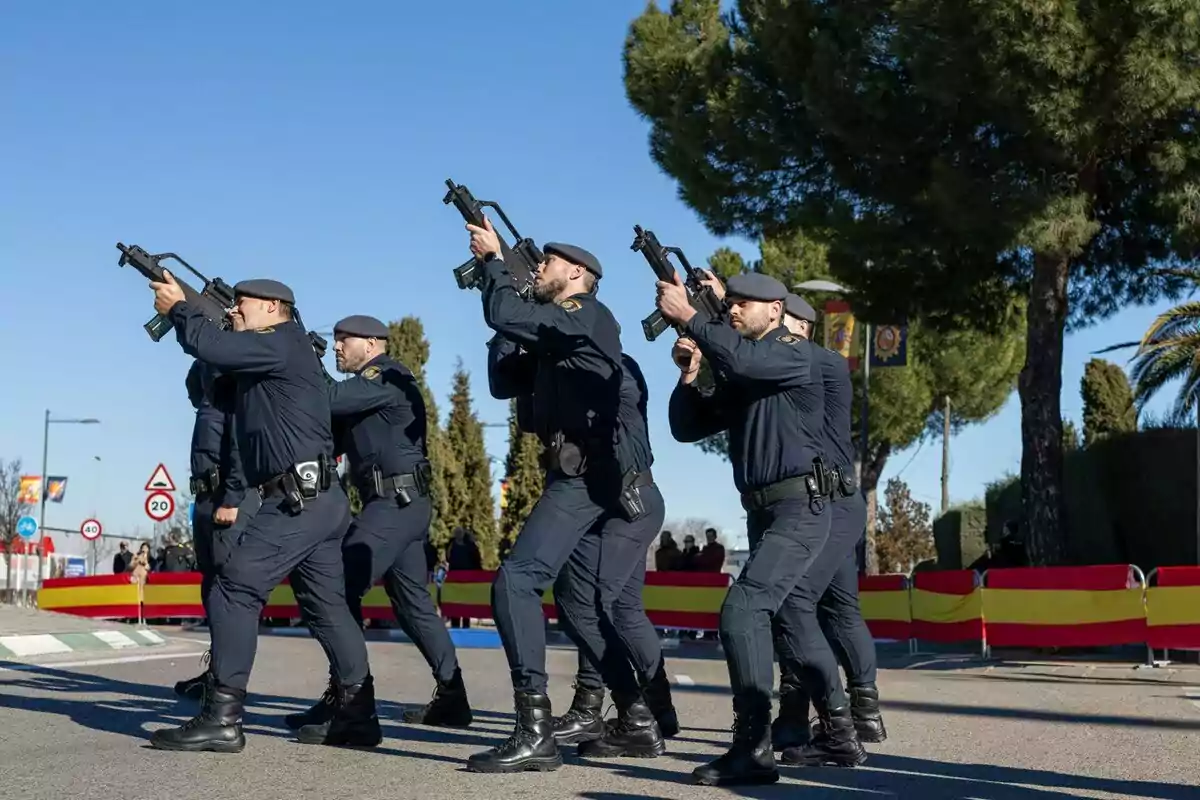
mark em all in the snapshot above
pixel 844 485
pixel 564 456
pixel 632 506
pixel 402 487
pixel 206 482
pixel 302 481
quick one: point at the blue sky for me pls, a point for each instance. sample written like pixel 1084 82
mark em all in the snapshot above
pixel 311 146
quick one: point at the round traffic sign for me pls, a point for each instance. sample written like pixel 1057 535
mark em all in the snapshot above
pixel 26 527
pixel 160 506
pixel 91 529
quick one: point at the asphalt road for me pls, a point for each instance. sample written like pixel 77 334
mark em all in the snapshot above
pixel 73 729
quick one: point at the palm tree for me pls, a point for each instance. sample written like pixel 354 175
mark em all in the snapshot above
pixel 1169 350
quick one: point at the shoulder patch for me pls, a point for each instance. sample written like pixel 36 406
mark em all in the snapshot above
pixel 268 329
pixel 371 373
pixel 571 304
pixel 788 338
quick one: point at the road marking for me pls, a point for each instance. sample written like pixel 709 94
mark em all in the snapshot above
pixel 96 662
pixel 151 636
pixel 684 680
pixel 115 639
pixel 33 645
pixel 1192 693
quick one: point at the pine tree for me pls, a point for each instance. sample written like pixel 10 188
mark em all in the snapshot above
pixel 1108 406
pixel 523 477
pixel 905 536
pixel 407 344
pixel 470 486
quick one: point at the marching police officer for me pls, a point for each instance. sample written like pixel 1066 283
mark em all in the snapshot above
pixel 222 504
pixel 380 414
pixel 284 438
pixel 574 410
pixel 767 395
pixel 825 608
pixel 609 564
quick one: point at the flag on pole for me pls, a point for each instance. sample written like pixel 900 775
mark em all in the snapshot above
pixel 839 330
pixel 889 345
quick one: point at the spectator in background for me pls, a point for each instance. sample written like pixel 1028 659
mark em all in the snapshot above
pixel 712 557
pixel 463 554
pixel 122 559
pixel 689 558
pixel 667 556
pixel 139 568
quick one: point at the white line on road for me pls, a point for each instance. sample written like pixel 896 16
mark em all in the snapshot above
pixel 96 662
pixel 684 680
pixel 1192 693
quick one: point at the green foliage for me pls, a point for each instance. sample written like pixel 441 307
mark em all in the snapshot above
pixel 1131 499
pixel 1071 439
pixel 959 536
pixel 407 344
pixel 1167 353
pixel 904 537
pixel 524 475
pixel 1107 401
pixel 948 153
pixel 469 485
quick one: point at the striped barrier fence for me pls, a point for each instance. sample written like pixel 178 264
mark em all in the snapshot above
pixel 885 606
pixel 947 607
pixel 1173 609
pixel 1098 606
pixel 97 596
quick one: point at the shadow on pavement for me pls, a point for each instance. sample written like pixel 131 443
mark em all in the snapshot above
pixel 901 776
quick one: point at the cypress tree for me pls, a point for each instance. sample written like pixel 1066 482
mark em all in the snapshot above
pixel 469 487
pixel 523 478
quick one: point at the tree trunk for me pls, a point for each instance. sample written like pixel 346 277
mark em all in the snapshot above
pixel 1040 388
pixel 870 474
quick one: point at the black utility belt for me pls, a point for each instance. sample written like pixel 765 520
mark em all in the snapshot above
pixel 304 480
pixel 818 483
pixel 205 482
pixel 563 455
pixel 843 483
pixel 402 486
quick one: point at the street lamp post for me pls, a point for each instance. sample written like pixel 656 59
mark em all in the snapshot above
pixel 46 483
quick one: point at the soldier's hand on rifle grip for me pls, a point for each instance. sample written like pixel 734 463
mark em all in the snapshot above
pixel 673 301
pixel 166 294
pixel 484 240
pixel 686 356
pixel 713 282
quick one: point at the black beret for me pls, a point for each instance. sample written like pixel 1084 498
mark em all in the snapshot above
pixel 264 289
pixel 576 255
pixel 755 286
pixel 796 306
pixel 361 325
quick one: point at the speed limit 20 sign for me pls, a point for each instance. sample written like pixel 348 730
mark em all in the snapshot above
pixel 159 506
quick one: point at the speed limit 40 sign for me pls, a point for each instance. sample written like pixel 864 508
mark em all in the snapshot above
pixel 159 506
pixel 91 529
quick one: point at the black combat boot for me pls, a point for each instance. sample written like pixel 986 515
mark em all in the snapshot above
pixel 834 742
pixel 320 713
pixel 657 692
pixel 449 707
pixel 864 707
pixel 216 729
pixel 791 728
pixel 584 720
pixel 354 722
pixel 635 734
pixel 193 688
pixel 531 745
pixel 750 760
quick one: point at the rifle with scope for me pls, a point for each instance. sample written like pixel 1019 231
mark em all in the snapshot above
pixel 522 258
pixel 700 296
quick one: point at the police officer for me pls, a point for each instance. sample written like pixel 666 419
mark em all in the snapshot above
pixel 284 438
pixel 767 395
pixel 609 564
pixel 824 608
pixel 218 486
pixel 380 414
pixel 574 410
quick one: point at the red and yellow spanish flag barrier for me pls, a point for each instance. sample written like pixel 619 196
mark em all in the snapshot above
pixel 687 600
pixel 1063 607
pixel 97 596
pixel 1173 609
pixel 172 594
pixel 885 607
pixel 947 606
pixel 281 604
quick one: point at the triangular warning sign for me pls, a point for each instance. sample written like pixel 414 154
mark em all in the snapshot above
pixel 160 481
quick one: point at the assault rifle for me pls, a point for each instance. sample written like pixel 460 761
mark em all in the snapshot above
pixel 215 299
pixel 522 258
pixel 700 296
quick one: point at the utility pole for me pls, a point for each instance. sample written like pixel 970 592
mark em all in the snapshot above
pixel 946 455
